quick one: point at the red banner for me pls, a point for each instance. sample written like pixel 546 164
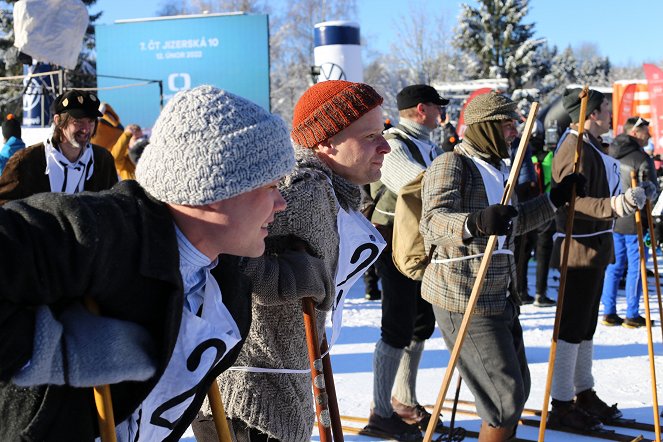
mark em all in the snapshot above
pixel 461 119
pixel 655 85
pixel 625 107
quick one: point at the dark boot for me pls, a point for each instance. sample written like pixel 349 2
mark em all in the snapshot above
pixel 611 320
pixel 566 414
pixel 394 427
pixel 415 414
pixel 589 402
pixel 543 301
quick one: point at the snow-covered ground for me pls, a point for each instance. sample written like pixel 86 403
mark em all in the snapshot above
pixel 621 362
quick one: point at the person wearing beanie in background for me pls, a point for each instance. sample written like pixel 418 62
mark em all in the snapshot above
pixel 461 197
pixel 627 147
pixel 591 251
pixel 65 161
pixel 11 132
pixel 407 319
pixel 173 310
pixel 337 132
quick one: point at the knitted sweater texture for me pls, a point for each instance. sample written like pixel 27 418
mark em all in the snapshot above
pixel 280 404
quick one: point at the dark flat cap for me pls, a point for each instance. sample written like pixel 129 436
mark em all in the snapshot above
pixel 412 95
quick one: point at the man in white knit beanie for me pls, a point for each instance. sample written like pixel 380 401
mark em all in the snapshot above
pixel 153 255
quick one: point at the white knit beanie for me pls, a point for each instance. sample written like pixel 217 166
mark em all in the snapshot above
pixel 209 145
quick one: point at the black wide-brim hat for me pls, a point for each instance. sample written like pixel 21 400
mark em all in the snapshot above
pixel 78 104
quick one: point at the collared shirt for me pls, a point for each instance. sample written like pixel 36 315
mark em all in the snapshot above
pixel 194 266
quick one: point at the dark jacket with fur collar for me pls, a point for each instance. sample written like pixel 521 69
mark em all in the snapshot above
pixel 24 175
pixel 118 247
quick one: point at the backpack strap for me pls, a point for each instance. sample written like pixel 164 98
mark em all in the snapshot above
pixel 411 146
pixel 463 180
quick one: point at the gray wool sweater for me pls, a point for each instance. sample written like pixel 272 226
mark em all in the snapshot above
pixel 281 404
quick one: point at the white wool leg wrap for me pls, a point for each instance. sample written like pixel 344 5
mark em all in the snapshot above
pixel 405 387
pixel 583 379
pixel 565 365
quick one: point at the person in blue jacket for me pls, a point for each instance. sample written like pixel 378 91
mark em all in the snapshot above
pixel 11 132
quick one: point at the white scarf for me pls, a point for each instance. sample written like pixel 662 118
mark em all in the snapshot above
pixel 65 176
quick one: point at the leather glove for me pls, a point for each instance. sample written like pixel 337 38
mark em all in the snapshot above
pixel 560 193
pixel 627 203
pixel 493 220
pixel 98 350
pixel 650 190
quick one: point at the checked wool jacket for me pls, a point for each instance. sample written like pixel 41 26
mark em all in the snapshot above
pixel 452 189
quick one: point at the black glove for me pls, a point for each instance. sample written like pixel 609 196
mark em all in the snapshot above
pixel 493 220
pixel 560 193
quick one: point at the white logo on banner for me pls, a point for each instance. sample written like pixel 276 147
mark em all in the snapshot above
pixel 183 84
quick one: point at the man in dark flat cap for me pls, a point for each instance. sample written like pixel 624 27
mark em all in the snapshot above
pixel 407 319
pixel 66 161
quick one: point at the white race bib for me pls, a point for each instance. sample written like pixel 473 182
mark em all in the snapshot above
pixel 493 182
pixel 360 244
pixel 202 342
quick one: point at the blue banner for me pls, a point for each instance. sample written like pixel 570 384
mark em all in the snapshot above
pixel 227 51
pixel 39 95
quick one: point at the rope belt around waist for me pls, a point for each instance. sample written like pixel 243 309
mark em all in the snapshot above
pixel 385 213
pixel 275 370
pixel 269 370
pixel 581 235
pixel 478 255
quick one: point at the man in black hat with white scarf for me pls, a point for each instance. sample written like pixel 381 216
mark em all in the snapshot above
pixel 66 161
pixel 574 401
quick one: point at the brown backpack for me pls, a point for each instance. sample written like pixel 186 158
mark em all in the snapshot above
pixel 408 251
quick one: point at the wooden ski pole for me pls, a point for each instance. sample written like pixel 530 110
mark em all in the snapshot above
pixel 645 294
pixel 218 413
pixel 584 96
pixel 654 246
pixel 102 395
pixel 334 413
pixel 483 269
pixel 317 373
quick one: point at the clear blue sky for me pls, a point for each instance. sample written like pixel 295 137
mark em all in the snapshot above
pixel 629 32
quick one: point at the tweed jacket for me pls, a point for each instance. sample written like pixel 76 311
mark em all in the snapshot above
pixel 119 248
pixel 593 213
pixel 24 173
pixel 281 404
pixel 452 188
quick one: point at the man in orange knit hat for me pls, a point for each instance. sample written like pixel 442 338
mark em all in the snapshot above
pixel 337 132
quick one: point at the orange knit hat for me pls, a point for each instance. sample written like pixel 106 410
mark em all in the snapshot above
pixel 328 107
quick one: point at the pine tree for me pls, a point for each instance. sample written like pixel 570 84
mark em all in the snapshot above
pixel 563 71
pixel 496 38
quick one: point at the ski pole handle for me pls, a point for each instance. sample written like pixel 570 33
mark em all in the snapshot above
pixel 218 413
pixel 102 395
pixel 317 374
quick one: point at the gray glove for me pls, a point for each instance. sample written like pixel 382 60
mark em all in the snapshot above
pixel 627 203
pixel 98 350
pixel 650 189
